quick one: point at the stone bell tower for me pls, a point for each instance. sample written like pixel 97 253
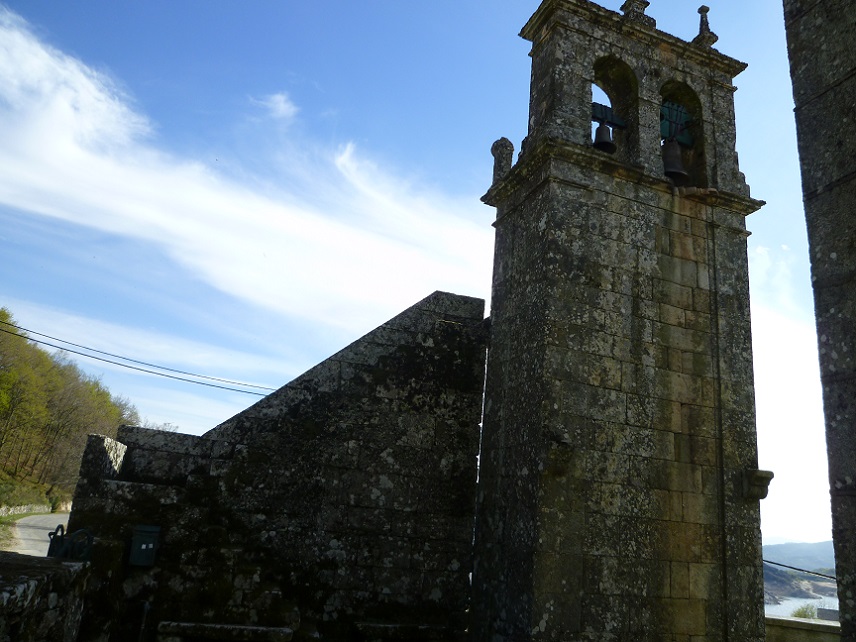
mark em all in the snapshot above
pixel 619 491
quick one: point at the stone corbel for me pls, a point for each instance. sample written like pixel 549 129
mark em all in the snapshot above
pixel 756 483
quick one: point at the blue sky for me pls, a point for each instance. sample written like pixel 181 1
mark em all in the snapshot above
pixel 240 189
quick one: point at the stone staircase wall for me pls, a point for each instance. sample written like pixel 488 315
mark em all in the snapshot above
pixel 349 493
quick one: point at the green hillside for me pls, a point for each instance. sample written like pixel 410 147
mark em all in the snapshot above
pixel 782 583
pixel 810 557
pixel 47 408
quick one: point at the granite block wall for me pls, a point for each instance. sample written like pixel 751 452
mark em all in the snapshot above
pixel 341 504
pixel 823 69
pixel 41 600
pixel 619 438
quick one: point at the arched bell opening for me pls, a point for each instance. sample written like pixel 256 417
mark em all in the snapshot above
pixel 601 129
pixel 682 135
pixel 615 128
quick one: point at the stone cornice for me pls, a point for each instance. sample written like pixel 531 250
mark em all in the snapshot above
pixel 536 165
pixel 548 16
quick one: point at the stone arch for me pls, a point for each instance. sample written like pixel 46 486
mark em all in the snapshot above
pixel 618 81
pixel 681 103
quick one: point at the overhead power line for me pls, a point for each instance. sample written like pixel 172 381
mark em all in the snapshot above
pixel 131 367
pixel 142 363
pixel 801 570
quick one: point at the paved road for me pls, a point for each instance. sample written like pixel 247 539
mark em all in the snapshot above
pixel 31 533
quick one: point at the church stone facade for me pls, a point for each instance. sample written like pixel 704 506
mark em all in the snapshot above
pixel 617 492
pixel 619 488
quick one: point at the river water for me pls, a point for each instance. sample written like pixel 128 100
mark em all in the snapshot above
pixel 786 608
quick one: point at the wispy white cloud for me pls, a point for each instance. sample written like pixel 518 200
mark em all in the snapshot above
pixel 332 239
pixel 773 274
pixel 75 149
pixel 279 106
pixel 43 86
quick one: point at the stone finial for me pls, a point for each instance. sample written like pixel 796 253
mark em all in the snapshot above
pixel 503 153
pixel 705 37
pixel 635 10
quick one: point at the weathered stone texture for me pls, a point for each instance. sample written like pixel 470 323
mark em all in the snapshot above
pixel 189 631
pixel 565 66
pixel 382 441
pixel 618 490
pixel 345 499
pixel 619 412
pixel 26 508
pixel 823 69
pixel 41 600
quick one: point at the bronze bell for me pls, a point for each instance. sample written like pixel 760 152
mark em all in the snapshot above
pixel 673 165
pixel 603 139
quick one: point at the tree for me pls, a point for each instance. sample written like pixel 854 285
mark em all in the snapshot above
pixel 47 408
pixel 807 611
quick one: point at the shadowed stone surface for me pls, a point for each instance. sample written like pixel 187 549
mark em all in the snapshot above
pixel 619 426
pixel 342 502
pixel 187 632
pixel 40 599
pixel 823 69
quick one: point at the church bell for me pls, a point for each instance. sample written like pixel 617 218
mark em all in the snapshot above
pixel 673 165
pixel 603 139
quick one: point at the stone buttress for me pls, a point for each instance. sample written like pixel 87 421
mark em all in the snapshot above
pixel 619 491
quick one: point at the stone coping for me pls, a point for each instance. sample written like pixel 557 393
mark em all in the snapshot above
pixel 790 629
pixel 403 632
pixel 804 624
pixel 232 632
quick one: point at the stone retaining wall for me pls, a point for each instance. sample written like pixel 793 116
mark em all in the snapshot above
pixel 5 511
pixel 41 599
pixel 789 629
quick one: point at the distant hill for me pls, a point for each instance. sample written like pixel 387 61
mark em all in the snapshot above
pixel 782 583
pixel 811 557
